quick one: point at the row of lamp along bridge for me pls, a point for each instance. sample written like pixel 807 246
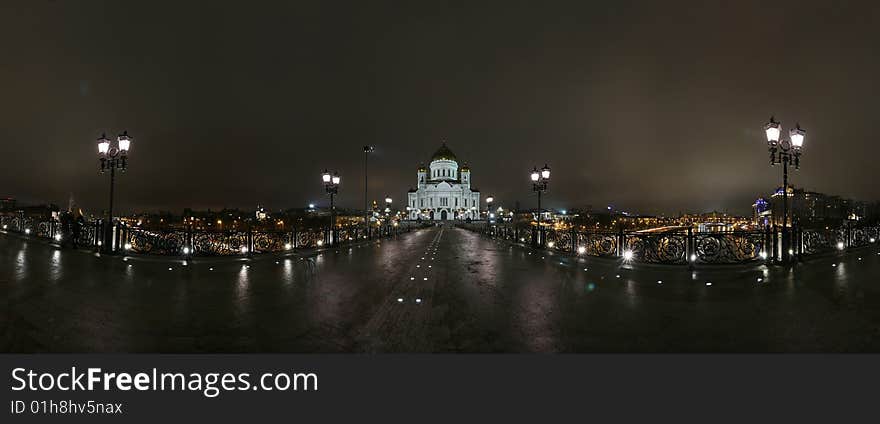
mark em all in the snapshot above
pixel 110 236
pixel 772 244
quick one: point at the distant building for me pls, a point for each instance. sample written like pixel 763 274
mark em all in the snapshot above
pixel 444 190
pixel 761 212
pixel 7 204
pixel 810 208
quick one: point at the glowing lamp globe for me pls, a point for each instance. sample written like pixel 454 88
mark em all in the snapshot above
pixel 545 172
pixel 772 129
pixel 103 145
pixel 124 142
pixel 797 137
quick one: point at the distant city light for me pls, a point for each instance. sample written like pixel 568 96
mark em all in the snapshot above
pixel 27 230
pixel 840 245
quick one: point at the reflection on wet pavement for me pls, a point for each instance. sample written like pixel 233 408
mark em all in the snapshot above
pixel 441 289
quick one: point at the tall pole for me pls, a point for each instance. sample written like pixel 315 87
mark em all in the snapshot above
pixel 540 227
pixel 332 212
pixel 108 229
pixel 367 150
pixel 785 209
pixel 787 153
pixel 366 202
pixel 332 221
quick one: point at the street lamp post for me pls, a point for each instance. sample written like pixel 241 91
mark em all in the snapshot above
pixel 331 186
pixel 387 209
pixel 112 157
pixel 539 185
pixel 367 150
pixel 787 153
pixel 489 200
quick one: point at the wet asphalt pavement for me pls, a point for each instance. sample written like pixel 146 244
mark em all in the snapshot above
pixel 435 290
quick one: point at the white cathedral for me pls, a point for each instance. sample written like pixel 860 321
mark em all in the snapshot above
pixel 444 191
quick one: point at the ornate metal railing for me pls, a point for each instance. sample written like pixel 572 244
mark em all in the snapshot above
pixel 246 242
pixel 80 233
pixel 684 246
pixel 189 242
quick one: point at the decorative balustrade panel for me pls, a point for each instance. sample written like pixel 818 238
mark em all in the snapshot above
pixel 88 234
pixel 219 243
pixel 598 243
pixel 661 248
pixel 859 236
pixel 513 234
pixel 271 241
pixel 560 240
pixel 348 234
pixel 46 229
pixel 309 238
pixel 156 242
pixel 728 248
pixel 819 241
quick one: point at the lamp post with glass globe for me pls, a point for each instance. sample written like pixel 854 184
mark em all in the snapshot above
pixel 539 185
pixel 489 199
pixel 387 209
pixel 786 153
pixel 112 157
pixel 331 186
pixel 367 150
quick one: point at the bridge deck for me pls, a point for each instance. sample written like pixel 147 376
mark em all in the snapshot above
pixel 434 290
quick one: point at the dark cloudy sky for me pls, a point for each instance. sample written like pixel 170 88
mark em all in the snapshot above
pixel 654 106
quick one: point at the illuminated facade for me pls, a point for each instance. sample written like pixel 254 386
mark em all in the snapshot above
pixel 761 212
pixel 444 191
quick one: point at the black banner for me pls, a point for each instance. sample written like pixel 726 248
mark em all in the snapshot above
pixel 459 388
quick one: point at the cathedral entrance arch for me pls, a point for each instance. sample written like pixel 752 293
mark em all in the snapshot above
pixel 443 215
pixel 432 215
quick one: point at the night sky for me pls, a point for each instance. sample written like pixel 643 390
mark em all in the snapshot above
pixel 651 106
